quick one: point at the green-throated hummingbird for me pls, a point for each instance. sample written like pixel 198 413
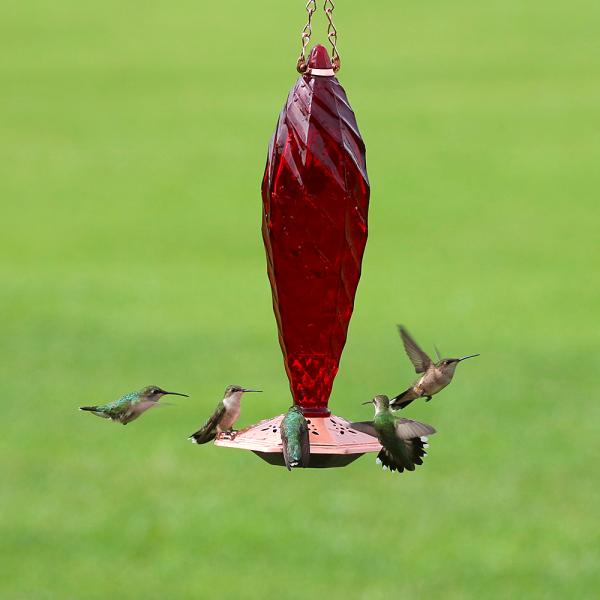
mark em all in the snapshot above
pixel 130 406
pixel 294 438
pixel 224 417
pixel 404 441
pixel 436 376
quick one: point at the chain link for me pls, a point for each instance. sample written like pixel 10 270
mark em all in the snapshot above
pixel 311 7
pixel 329 6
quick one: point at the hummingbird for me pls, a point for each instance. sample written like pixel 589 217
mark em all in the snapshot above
pixel 224 417
pixel 436 376
pixel 130 406
pixel 294 438
pixel 403 441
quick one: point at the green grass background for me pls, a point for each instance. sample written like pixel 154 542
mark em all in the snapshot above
pixel 133 138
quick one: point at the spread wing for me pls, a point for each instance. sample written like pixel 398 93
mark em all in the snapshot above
pixel 365 427
pixel 408 429
pixel 417 357
pixel 208 431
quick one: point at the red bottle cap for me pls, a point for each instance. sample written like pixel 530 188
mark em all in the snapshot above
pixel 319 59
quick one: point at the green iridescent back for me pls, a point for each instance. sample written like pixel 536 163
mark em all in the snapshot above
pixel 122 403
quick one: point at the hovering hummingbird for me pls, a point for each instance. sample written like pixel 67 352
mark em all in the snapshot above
pixel 225 415
pixel 403 441
pixel 294 437
pixel 436 376
pixel 130 406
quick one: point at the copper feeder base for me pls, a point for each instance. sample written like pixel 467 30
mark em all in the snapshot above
pixel 333 443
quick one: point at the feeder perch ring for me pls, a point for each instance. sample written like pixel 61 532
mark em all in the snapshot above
pixel 333 442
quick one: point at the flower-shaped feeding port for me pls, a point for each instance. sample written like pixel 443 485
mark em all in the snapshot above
pixel 315 194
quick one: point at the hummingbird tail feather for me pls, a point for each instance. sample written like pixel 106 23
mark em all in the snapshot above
pixel 402 400
pixel 202 437
pixel 418 448
pixel 398 462
pixel 96 410
pixel 388 461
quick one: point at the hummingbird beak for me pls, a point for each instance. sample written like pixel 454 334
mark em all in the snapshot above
pixel 368 402
pixel 175 394
pixel 244 390
pixel 470 356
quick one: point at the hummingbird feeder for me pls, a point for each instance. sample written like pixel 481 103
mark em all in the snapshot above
pixel 315 194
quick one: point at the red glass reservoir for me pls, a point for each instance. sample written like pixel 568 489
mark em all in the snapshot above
pixel 315 201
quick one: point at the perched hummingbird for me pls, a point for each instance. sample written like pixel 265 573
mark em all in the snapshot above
pixel 294 437
pixel 130 406
pixel 404 441
pixel 436 376
pixel 225 415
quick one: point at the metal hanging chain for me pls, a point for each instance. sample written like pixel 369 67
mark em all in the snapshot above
pixel 311 8
pixel 332 35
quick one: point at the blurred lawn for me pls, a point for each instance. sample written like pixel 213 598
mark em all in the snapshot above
pixel 132 144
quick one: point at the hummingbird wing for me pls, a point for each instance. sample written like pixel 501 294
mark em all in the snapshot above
pixel 285 447
pixel 417 356
pixel 407 429
pixel 304 444
pixel 365 427
pixel 115 410
pixel 208 431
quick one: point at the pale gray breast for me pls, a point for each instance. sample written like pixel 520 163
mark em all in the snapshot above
pixel 440 380
pixel 143 406
pixel 138 408
pixel 432 382
pixel 233 409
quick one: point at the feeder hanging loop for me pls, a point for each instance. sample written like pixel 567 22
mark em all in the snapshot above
pixel 311 8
